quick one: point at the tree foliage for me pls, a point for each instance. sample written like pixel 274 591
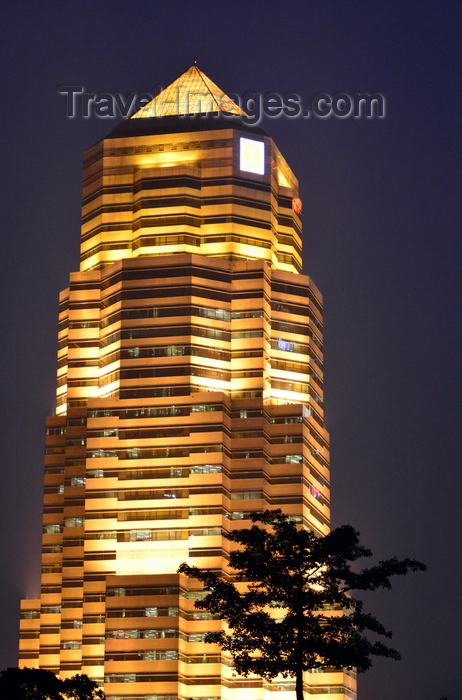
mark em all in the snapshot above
pixel 39 684
pixel 295 611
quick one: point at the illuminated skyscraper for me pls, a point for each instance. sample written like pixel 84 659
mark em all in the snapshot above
pixel 189 395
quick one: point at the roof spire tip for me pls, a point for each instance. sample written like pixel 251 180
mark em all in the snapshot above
pixel 193 92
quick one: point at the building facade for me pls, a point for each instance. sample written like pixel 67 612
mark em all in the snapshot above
pixel 189 395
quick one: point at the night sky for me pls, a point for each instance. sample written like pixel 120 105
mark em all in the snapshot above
pixel 381 217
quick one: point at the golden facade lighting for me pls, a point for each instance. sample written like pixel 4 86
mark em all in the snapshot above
pixel 190 394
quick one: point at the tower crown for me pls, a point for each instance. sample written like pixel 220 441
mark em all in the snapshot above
pixel 197 180
pixel 192 93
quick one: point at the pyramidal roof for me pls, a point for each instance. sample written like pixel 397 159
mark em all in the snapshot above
pixel 192 93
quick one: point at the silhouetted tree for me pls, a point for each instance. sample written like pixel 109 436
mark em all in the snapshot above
pixel 308 580
pixel 80 687
pixel 39 684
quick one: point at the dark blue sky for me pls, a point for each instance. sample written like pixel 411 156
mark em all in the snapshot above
pixel 382 223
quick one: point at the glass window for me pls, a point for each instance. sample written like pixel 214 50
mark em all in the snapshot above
pixel 117 591
pixel 73 522
pixel 151 634
pixel 205 469
pixel 123 634
pixel 96 473
pixel 140 535
pixel 51 609
pixel 198 637
pixel 175 350
pixel 30 614
pixel 237 515
pixel 110 432
pixel 71 644
pixel 133 453
pixel 246 495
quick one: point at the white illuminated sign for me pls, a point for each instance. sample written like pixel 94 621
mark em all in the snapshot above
pixel 252 156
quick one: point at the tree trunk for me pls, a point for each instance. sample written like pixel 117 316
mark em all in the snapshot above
pixel 299 683
pixel 299 641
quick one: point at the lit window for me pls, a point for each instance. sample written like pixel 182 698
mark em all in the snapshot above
pixel 206 469
pixel 51 609
pixel 284 345
pixel 110 432
pixel 30 614
pixel 71 645
pixel 123 634
pixel 73 522
pixel 133 453
pixel 140 535
pixel 174 350
pixel 198 637
pixel 96 473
